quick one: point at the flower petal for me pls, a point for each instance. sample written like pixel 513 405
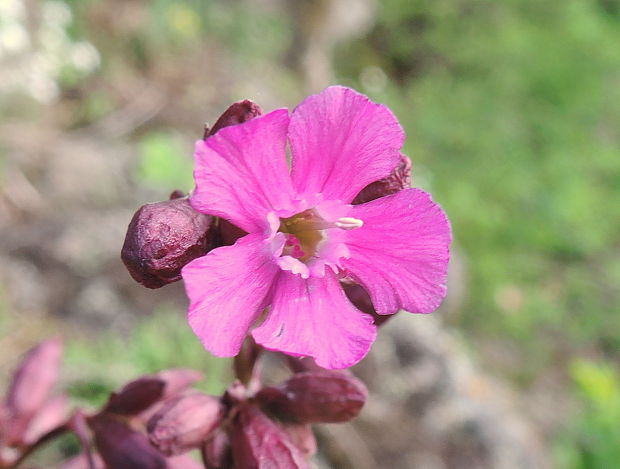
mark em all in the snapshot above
pixel 312 317
pixel 241 172
pixel 228 288
pixel 341 142
pixel 400 254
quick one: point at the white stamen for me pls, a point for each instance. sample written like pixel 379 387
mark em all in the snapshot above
pixel 349 223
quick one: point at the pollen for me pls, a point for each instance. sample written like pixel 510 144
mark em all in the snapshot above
pixel 349 223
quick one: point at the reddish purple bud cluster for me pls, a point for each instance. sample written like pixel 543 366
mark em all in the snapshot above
pixel 29 412
pixel 154 421
pixel 241 430
pixel 117 429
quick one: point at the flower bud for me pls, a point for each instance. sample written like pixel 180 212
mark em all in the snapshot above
pixel 34 379
pixel 302 436
pixel 230 233
pixel 121 447
pixel 237 113
pixel 162 238
pixel 52 415
pixel 361 300
pixel 397 180
pixel 176 194
pixel 216 452
pixel 258 442
pixel 138 395
pixel 315 397
pixel 178 380
pixel 184 422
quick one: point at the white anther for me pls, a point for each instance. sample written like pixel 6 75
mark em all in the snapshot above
pixel 349 223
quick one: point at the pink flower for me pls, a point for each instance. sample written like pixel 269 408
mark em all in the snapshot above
pixel 304 235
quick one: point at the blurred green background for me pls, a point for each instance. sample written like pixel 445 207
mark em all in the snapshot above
pixel 512 111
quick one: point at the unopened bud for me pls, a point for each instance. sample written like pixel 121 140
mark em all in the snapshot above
pixel 230 233
pixel 315 397
pixel 302 436
pixel 216 453
pixel 162 238
pixel 397 180
pixel 361 300
pixel 185 422
pixel 122 447
pixel 236 113
pixel 258 442
pixel 34 379
pixel 176 194
pixel 138 395
pixel 50 416
pixel 178 380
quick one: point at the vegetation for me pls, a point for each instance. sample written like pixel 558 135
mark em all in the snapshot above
pixel 512 110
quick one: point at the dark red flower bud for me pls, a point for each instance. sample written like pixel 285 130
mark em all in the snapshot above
pixel 237 113
pixel 229 233
pixel 399 179
pixel 259 443
pixel 122 447
pixel 52 415
pixel 34 379
pixel 138 395
pixel 361 300
pixel 176 194
pixel 216 453
pixel 302 436
pixel 315 397
pixel 185 422
pixel 162 238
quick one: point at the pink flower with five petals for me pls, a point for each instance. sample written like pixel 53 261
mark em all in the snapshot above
pixel 304 234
